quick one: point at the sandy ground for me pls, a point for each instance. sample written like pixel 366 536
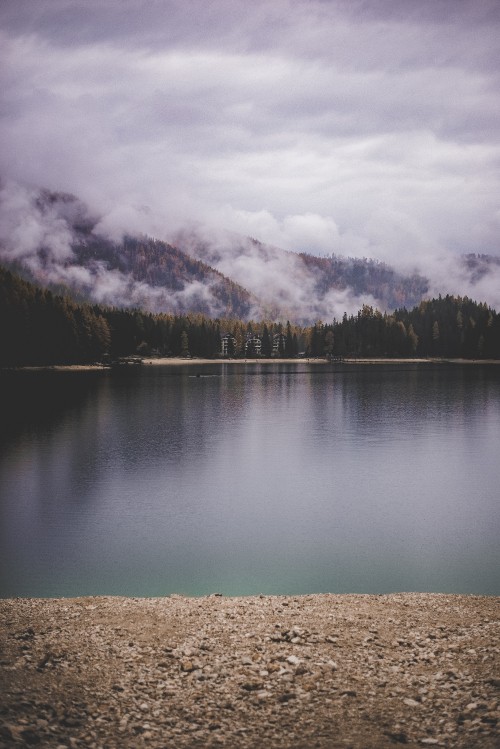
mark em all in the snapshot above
pixel 178 361
pixel 322 671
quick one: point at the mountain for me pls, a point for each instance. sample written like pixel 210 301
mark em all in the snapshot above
pixel 56 243
pixel 479 267
pixel 54 239
pixel 304 287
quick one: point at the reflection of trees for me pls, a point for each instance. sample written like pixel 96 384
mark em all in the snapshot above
pixel 55 434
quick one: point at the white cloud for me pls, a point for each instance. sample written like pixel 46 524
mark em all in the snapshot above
pixel 24 227
pixel 337 126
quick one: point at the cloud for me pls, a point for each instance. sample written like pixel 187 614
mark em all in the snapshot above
pixel 480 283
pixel 40 230
pixel 308 232
pixel 46 233
pixel 348 127
pixel 285 286
pixel 25 226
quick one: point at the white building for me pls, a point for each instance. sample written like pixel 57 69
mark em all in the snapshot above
pixel 228 345
pixel 253 346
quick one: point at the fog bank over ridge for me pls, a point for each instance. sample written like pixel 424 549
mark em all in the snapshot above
pixel 360 129
pixel 59 241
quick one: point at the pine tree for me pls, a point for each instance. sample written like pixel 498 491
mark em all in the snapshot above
pixel 184 344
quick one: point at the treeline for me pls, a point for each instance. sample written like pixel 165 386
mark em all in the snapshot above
pixel 38 327
pixel 450 327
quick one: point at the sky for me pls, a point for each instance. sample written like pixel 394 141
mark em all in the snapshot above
pixel 356 127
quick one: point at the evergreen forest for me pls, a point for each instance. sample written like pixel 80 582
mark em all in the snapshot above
pixel 38 327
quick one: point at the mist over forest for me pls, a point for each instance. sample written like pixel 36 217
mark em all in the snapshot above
pixel 55 240
pixel 287 160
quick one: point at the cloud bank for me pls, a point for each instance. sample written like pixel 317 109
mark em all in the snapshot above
pixel 364 129
pixel 59 240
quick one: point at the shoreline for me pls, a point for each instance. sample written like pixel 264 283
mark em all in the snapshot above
pixel 319 670
pixel 179 361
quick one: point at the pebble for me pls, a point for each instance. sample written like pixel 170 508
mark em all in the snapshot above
pixel 248 672
pixel 411 703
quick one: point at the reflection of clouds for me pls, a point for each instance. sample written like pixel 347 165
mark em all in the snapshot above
pixel 262 479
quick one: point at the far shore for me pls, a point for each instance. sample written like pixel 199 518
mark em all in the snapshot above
pixel 177 361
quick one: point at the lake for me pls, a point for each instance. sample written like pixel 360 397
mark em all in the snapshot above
pixel 251 478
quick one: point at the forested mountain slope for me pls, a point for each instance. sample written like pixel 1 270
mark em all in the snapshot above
pixel 53 239
pixel 57 243
pixel 304 287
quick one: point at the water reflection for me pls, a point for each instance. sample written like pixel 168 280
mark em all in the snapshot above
pixel 251 479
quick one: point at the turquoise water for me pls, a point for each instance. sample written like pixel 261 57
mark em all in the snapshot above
pixel 251 479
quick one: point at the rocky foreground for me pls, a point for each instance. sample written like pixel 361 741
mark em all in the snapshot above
pixel 272 671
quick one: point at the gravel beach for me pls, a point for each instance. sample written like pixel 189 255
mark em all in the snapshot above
pixel 357 671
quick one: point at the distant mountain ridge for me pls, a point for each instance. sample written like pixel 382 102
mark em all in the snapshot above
pixel 163 278
pixel 73 257
pixel 53 239
pixel 302 286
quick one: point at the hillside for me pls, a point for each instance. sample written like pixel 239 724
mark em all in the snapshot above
pixel 56 242
pixel 53 239
pixel 160 278
pixel 304 287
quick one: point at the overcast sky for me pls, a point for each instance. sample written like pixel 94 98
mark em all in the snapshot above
pixel 360 127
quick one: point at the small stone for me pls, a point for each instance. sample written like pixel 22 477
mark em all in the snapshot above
pixel 293 660
pixel 411 703
pixel 252 686
pixel 398 737
pixel 263 694
pixel 30 737
pixel 287 696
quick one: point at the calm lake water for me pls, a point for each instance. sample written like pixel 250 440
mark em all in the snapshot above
pixel 251 479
